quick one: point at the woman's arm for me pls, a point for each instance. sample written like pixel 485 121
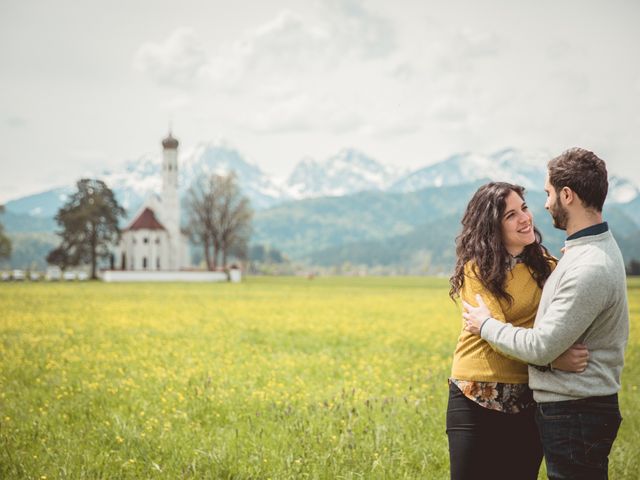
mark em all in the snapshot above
pixel 574 360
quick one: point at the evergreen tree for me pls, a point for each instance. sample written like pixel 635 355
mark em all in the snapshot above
pixel 89 222
pixel 5 243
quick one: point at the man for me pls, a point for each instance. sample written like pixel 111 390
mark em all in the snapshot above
pixel 583 301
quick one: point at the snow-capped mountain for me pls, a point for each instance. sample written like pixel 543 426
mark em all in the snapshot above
pixel 44 204
pixel 622 190
pixel 221 158
pixel 524 168
pixel 349 171
pixel 509 165
pixel 143 176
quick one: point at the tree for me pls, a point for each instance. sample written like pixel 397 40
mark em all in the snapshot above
pixel 200 218
pixel 89 222
pixel 5 243
pixel 219 218
pixel 234 219
pixel 634 267
pixel 59 257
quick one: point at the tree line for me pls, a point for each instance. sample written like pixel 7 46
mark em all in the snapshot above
pixel 218 220
pixel 5 243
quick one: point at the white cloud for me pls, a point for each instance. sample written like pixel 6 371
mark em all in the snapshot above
pixel 305 112
pixel 177 102
pixel 287 42
pixel 358 30
pixel 178 61
pixel 292 115
pixel 449 110
pixel 16 121
pixel 88 155
pixel 475 44
pixel 461 51
pixel 290 45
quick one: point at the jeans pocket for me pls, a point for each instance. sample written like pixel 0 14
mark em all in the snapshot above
pixel 549 413
pixel 559 433
pixel 598 434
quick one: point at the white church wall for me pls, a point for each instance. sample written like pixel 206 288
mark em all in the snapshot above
pixel 162 276
pixel 152 245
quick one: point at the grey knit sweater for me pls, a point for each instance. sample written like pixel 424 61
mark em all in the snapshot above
pixel 584 300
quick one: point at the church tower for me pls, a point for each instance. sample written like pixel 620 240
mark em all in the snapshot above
pixel 170 199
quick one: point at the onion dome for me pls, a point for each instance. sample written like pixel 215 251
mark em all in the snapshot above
pixel 170 142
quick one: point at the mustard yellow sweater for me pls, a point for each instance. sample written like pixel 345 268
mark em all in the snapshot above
pixel 474 358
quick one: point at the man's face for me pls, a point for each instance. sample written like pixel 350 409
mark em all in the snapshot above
pixel 558 212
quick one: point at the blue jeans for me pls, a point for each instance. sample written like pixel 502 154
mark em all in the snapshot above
pixel 485 443
pixel 577 436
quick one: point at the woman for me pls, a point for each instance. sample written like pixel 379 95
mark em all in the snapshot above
pixel 490 417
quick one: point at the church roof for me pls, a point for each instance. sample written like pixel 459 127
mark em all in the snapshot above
pixel 146 221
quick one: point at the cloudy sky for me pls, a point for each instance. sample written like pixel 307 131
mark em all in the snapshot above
pixel 88 84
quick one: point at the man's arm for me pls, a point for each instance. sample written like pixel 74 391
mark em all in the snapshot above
pixel 578 300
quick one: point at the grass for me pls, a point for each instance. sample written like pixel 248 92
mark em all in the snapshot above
pixel 331 378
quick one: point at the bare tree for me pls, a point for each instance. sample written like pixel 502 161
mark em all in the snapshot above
pixel 219 218
pixel 201 218
pixel 234 219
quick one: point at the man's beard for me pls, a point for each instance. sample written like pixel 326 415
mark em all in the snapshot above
pixel 559 215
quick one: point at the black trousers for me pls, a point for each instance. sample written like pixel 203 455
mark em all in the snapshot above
pixel 486 443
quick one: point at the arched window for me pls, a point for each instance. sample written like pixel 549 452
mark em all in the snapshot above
pixel 144 263
pixel 158 263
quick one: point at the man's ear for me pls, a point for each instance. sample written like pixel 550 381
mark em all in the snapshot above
pixel 567 195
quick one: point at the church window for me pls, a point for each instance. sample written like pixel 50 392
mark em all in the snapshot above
pixel 144 263
pixel 145 240
pixel 158 263
pixel 158 241
pixel 134 240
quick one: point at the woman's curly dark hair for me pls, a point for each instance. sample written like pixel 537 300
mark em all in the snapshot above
pixel 481 242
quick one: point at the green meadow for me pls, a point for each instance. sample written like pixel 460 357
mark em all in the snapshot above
pixel 273 378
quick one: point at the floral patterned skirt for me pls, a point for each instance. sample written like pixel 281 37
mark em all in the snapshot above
pixel 503 397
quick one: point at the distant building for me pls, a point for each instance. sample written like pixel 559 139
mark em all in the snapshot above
pixel 153 239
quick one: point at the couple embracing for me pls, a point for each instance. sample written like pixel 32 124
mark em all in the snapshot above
pixel 537 366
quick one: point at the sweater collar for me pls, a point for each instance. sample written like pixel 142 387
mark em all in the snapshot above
pixel 596 229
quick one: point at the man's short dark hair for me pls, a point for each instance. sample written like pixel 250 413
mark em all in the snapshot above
pixel 584 173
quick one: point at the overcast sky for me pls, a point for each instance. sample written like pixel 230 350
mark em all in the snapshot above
pixel 87 84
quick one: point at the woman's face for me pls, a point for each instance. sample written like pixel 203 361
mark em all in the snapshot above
pixel 517 224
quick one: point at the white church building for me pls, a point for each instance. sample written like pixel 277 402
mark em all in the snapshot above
pixel 153 241
pixel 152 246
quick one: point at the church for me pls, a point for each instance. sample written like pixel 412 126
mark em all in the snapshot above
pixel 153 240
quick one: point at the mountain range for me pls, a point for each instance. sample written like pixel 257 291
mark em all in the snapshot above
pixel 346 208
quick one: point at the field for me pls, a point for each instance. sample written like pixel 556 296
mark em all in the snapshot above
pixel 336 378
